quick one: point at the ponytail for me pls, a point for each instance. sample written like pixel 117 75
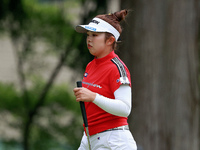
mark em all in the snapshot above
pixel 115 18
pixel 120 15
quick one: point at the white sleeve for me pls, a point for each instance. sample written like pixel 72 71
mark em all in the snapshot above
pixel 120 106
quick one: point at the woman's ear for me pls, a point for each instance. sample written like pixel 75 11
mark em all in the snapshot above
pixel 110 41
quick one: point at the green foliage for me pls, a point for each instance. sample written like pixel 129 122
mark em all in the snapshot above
pixel 30 21
pixel 13 8
pixel 49 131
pixel 50 23
pixel 10 98
pixel 10 145
pixel 43 139
pixel 63 98
pixel 47 22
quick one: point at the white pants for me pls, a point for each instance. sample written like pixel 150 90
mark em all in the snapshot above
pixel 110 140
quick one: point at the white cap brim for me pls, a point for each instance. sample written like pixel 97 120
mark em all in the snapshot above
pixel 98 25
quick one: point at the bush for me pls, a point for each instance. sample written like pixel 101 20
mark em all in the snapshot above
pixel 58 123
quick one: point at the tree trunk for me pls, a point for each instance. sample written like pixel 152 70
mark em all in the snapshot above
pixel 161 51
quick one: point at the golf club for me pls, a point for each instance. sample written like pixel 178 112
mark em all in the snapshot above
pixel 82 105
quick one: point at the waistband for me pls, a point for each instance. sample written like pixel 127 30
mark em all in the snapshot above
pixel 126 127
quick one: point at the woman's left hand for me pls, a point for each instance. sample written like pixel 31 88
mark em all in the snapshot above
pixel 83 94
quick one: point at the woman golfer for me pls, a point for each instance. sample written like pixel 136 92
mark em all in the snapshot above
pixel 106 87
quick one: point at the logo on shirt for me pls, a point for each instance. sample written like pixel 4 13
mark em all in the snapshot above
pixel 91 84
pixel 85 74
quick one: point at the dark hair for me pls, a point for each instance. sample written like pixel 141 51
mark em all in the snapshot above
pixel 114 19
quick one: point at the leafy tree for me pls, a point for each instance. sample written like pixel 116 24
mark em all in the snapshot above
pixel 28 22
pixel 50 128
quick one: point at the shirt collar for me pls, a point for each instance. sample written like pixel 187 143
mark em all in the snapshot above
pixel 103 59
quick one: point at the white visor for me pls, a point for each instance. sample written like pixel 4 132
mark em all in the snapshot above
pixel 98 25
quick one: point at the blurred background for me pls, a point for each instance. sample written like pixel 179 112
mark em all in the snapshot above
pixel 41 58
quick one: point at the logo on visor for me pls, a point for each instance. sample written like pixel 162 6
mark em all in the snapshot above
pixel 95 21
pixel 90 28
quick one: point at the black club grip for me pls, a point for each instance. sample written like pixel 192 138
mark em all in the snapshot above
pixel 82 105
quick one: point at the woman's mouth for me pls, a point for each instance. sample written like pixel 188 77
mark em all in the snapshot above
pixel 89 46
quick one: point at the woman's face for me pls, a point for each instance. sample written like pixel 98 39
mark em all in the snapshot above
pixel 97 45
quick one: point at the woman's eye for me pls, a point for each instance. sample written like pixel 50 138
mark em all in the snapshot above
pixel 94 35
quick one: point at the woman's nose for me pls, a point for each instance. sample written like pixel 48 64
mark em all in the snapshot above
pixel 89 39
